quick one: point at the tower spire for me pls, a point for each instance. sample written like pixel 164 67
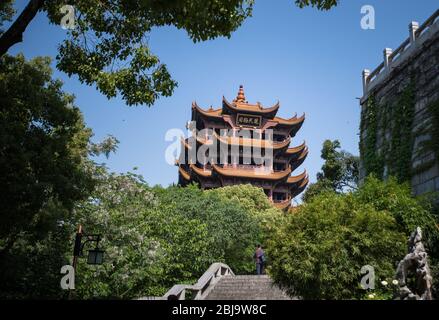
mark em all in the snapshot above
pixel 241 96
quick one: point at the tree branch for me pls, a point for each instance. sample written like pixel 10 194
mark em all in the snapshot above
pixel 15 32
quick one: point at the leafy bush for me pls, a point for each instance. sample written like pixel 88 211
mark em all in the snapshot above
pixel 408 211
pixel 319 252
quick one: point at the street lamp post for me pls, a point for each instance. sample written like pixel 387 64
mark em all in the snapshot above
pixel 95 256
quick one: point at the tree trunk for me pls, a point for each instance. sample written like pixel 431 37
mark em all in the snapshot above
pixel 15 32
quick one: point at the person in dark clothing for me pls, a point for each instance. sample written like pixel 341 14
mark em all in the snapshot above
pixel 259 259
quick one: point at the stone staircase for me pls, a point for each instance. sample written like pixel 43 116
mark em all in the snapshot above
pixel 220 283
pixel 246 287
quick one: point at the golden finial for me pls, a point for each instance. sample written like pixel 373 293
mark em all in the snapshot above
pixel 241 96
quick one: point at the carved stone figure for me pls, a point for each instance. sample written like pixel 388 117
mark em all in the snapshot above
pixel 413 273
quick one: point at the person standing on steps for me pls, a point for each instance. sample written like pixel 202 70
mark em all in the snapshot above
pixel 259 257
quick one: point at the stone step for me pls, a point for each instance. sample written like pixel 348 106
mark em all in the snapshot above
pixel 246 287
pixel 228 279
pixel 246 295
pixel 253 284
pixel 247 277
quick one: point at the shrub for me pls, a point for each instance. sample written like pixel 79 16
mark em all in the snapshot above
pixel 408 211
pixel 318 253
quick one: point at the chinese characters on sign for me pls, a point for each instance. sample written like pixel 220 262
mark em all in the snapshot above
pixel 248 120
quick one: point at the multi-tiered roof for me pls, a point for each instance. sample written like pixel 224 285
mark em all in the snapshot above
pixel 278 183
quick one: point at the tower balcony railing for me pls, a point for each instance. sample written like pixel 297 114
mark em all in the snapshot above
pixel 287 199
pixel 242 166
pixel 393 58
pixel 251 140
pixel 249 167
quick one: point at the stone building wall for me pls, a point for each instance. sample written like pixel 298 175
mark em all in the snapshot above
pixel 416 63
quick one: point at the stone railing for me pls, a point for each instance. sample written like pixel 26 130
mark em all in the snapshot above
pixel 199 290
pixel 393 59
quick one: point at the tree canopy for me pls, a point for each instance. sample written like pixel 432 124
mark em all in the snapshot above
pixel 108 45
pixel 340 170
pixel 45 172
pixel 44 147
pixel 153 238
pixel 157 237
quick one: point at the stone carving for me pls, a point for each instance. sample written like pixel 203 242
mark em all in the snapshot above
pixel 414 267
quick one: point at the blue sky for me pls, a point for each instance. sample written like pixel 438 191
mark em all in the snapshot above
pixel 310 61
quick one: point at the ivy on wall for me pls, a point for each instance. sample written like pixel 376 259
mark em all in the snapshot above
pixel 401 144
pixel 432 130
pixel 393 124
pixel 433 109
pixel 372 160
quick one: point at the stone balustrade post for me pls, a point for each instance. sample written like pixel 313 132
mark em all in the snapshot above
pixel 413 27
pixel 387 52
pixel 366 74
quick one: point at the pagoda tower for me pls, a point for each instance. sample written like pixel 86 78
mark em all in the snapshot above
pixel 266 136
